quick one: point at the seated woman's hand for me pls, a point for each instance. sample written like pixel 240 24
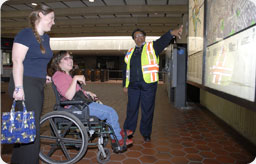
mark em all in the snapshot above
pixel 93 96
pixel 80 79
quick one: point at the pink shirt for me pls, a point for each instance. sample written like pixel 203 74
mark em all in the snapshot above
pixel 62 82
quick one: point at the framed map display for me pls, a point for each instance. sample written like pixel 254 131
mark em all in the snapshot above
pixel 195 67
pixel 196 26
pixel 227 17
pixel 231 65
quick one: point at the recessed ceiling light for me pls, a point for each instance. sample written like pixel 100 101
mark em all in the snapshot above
pixel 34 4
pixel 91 0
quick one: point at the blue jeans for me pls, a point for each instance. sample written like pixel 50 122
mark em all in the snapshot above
pixel 104 112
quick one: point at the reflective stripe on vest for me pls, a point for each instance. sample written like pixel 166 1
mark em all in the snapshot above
pixel 127 61
pixel 128 54
pixel 152 66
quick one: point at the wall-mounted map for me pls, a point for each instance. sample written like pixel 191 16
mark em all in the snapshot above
pixel 231 65
pixel 226 17
pixel 195 67
pixel 196 26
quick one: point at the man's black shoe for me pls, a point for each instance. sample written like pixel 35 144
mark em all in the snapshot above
pixel 147 138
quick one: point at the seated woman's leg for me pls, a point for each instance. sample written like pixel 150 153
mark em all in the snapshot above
pixel 107 113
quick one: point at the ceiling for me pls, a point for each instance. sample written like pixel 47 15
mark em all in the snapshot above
pixel 75 18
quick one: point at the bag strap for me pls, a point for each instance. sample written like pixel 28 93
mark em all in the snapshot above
pixel 14 104
pixel 24 107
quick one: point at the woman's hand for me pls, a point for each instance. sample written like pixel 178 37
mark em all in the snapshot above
pixel 125 90
pixel 177 32
pixel 92 95
pixel 18 94
pixel 48 79
pixel 80 79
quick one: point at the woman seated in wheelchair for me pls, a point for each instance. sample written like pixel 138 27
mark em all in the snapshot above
pixel 67 86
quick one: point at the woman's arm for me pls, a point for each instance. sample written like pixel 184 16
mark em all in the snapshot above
pixel 19 52
pixel 72 88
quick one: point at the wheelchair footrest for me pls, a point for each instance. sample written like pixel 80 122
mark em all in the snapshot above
pixel 117 148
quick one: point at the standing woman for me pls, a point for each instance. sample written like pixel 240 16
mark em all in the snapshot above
pixel 31 53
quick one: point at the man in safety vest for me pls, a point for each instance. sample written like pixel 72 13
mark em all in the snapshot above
pixel 140 77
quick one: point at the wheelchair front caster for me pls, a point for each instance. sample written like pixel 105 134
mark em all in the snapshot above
pixel 103 157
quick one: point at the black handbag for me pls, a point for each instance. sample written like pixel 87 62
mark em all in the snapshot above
pixel 79 96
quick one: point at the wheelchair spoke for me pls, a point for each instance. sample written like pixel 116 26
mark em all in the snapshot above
pixel 53 125
pixel 67 129
pixel 70 140
pixel 52 150
pixel 48 137
pixel 65 151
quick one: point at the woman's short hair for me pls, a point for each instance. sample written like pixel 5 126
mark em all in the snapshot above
pixel 136 30
pixel 55 61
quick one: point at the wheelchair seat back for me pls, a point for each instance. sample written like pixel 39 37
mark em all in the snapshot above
pixel 70 106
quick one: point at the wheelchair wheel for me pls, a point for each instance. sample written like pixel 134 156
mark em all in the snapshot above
pixel 103 157
pixel 63 138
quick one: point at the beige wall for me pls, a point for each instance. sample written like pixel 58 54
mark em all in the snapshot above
pixel 241 119
pixel 95 43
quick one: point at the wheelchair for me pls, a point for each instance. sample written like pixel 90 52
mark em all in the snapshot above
pixel 66 134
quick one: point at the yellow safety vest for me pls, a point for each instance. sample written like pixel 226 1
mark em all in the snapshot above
pixel 149 64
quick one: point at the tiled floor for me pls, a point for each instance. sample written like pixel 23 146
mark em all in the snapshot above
pixel 190 136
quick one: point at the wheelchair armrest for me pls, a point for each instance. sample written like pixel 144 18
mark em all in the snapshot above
pixel 72 102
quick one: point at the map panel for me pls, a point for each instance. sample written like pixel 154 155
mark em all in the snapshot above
pixel 227 17
pixel 196 26
pixel 195 67
pixel 230 65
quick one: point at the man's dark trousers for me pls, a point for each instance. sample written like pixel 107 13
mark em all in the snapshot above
pixel 144 94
